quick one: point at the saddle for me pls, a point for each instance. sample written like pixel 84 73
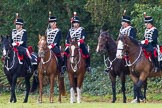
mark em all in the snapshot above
pixel 157 53
pixel 34 59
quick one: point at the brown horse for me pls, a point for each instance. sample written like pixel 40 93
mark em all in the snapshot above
pixel 141 67
pixel 76 69
pixel 48 66
pixel 107 45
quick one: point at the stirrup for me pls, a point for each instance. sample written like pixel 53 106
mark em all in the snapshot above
pixel 63 69
pixel 156 69
pixel 29 70
pixel 106 71
pixel 89 69
pixel 61 74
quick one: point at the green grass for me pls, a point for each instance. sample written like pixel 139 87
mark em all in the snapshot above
pixel 87 102
pixel 82 105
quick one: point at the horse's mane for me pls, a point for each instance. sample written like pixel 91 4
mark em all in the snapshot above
pixel 134 41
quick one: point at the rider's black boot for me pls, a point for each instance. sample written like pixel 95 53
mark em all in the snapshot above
pixel 88 65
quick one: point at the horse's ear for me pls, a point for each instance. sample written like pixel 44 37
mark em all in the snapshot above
pixel 1 38
pixel 7 37
pixel 45 37
pixel 39 36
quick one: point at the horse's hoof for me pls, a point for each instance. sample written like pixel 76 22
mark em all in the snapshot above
pixel 134 101
pixel 79 102
pixel 39 102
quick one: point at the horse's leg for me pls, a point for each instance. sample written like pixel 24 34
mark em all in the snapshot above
pixel 51 77
pixel 145 88
pixel 13 96
pixel 79 85
pixel 134 79
pixel 72 93
pixel 27 83
pixel 138 85
pixel 40 77
pixel 9 78
pixel 113 85
pixel 123 87
pixel 59 85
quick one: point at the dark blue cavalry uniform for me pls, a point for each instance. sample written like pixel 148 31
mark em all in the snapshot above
pixel 150 41
pixel 19 41
pixel 80 35
pixel 53 40
pixel 129 30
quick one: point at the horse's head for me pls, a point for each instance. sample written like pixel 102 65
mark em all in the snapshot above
pixel 74 50
pixel 42 46
pixel 5 45
pixel 125 44
pixel 105 43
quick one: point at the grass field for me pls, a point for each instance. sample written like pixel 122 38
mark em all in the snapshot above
pixel 88 102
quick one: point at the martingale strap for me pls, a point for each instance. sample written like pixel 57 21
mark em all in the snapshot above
pixel 159 52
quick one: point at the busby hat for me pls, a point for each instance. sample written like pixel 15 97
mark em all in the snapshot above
pixel 19 21
pixel 148 19
pixel 76 19
pixel 52 19
pixel 126 19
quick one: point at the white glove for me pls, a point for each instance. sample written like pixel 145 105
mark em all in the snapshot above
pixel 21 42
pixel 143 41
pixel 14 44
pixel 49 46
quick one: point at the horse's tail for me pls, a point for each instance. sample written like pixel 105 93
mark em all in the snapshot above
pixel 35 83
pixel 62 86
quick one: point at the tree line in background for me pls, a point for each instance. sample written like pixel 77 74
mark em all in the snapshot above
pixel 94 15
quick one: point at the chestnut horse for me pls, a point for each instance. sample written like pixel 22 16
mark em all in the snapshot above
pixel 141 67
pixel 48 66
pixel 107 45
pixel 76 69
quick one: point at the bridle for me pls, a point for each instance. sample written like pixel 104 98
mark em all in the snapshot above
pixel 126 60
pixel 7 58
pixel 74 67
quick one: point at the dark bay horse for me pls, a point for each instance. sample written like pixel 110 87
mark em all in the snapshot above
pixel 13 69
pixel 76 69
pixel 48 66
pixel 107 45
pixel 141 67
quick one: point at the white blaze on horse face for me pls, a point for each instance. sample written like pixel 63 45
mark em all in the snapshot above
pixel 97 49
pixel 4 52
pixel 119 52
pixel 72 53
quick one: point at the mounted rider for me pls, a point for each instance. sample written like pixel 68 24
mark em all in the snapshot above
pixel 19 42
pixel 150 40
pixel 77 32
pixel 126 28
pixel 53 34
